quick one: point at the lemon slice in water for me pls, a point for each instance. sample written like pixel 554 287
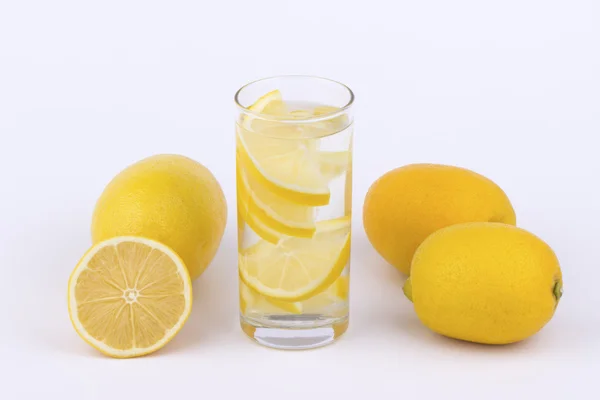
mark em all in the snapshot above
pixel 295 269
pixel 280 156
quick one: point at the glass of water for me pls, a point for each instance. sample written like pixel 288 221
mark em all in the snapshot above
pixel 294 202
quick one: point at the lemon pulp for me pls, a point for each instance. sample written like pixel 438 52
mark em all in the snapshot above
pixel 129 296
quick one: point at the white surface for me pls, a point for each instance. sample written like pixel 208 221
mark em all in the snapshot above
pixel 508 88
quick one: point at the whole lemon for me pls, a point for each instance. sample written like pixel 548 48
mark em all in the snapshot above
pixel 485 282
pixel 168 198
pixel 409 203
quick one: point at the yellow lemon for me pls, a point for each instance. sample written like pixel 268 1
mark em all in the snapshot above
pixel 485 282
pixel 409 203
pixel 129 296
pixel 168 198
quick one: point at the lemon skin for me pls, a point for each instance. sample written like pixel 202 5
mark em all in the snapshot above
pixel 168 198
pixel 409 203
pixel 488 283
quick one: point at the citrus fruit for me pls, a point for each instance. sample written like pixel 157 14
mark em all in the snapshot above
pixel 129 296
pixel 295 269
pixel 409 203
pixel 168 198
pixel 485 282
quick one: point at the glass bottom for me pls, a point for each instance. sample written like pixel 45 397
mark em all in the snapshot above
pixel 294 332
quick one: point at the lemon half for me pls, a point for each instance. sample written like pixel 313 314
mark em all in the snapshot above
pixel 129 296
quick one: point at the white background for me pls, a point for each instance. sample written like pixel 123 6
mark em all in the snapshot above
pixel 510 89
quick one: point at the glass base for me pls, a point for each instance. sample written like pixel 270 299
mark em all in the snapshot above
pixel 291 332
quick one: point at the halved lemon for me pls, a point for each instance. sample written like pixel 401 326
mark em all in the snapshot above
pixel 282 157
pixel 129 296
pixel 295 269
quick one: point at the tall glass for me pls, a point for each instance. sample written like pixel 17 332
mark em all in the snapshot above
pixel 294 202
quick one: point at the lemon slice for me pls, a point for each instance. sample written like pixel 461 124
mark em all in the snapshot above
pixel 335 297
pixel 281 215
pixel 129 296
pixel 250 215
pixel 272 216
pixel 288 168
pixel 264 116
pixel 341 288
pixel 295 269
pixel 252 301
pixel 270 104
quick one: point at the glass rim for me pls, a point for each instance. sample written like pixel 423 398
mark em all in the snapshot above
pixel 322 117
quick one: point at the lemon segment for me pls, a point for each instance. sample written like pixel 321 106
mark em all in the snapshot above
pixel 297 268
pixel 129 296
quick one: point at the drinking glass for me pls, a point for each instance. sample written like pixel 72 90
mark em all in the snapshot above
pixel 294 204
